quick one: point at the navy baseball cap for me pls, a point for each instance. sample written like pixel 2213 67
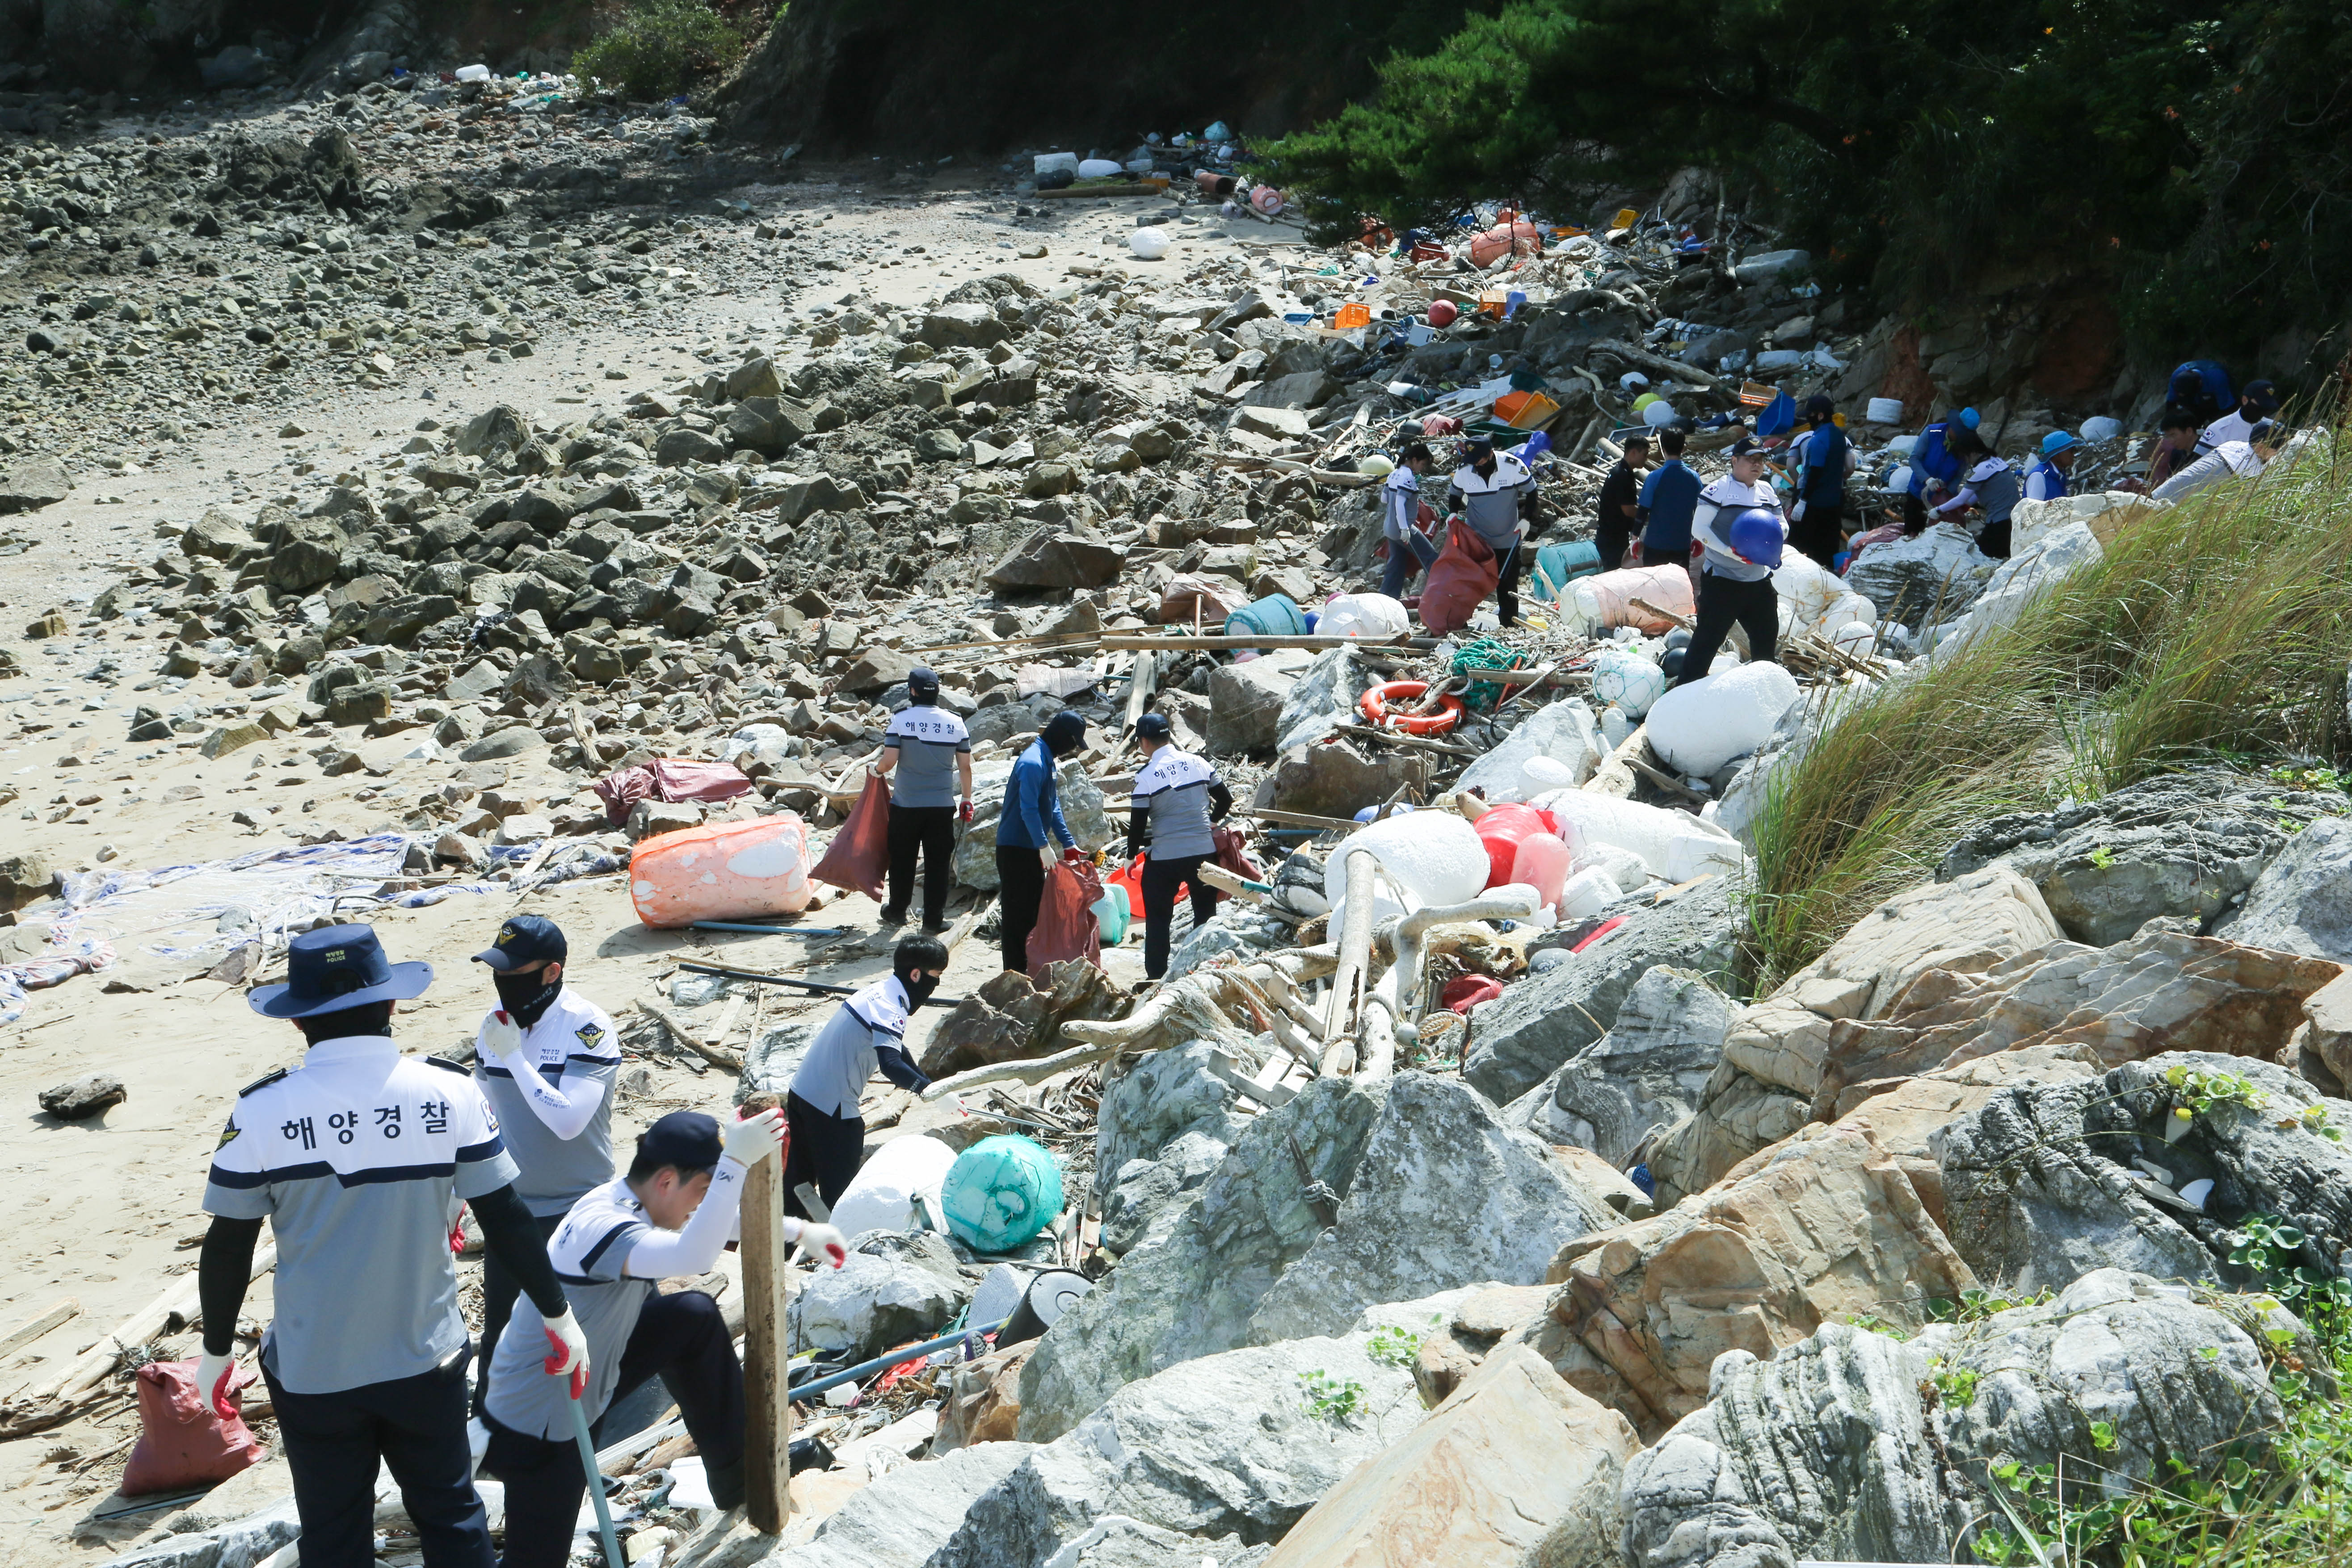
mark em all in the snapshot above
pixel 687 1139
pixel 525 939
pixel 337 967
pixel 922 682
pixel 1153 727
pixel 2263 396
pixel 1479 446
pixel 1745 448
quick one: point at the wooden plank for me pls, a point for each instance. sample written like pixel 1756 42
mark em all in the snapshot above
pixel 767 1407
pixel 1217 644
pixel 65 1311
pixel 1349 985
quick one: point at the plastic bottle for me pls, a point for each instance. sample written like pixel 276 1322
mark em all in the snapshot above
pixel 1543 862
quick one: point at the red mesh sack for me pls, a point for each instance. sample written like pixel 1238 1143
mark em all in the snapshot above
pixel 1459 580
pixel 182 1443
pixel 1066 926
pixel 859 855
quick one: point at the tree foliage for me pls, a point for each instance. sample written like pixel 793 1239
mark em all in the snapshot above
pixel 2196 155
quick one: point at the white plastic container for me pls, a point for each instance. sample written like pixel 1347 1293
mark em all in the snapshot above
pixel 1699 728
pixel 2099 427
pixel 1047 163
pixel 1885 411
pixel 473 73
pixel 1149 244
pixel 1363 616
pixel 1587 893
pixel 1426 858
pixel 885 1193
pixel 1100 168
pixel 1669 844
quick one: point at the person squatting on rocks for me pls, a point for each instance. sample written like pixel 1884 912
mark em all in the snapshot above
pixel 1990 483
pixel 669 1217
pixel 1820 459
pixel 1495 493
pixel 1935 466
pixel 1410 550
pixel 545 1060
pixel 1735 581
pixel 1025 832
pixel 357 1158
pixel 932 751
pixel 866 1032
pixel 1175 798
pixel 1615 523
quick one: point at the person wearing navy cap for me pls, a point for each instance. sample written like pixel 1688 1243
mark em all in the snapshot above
pixel 932 751
pixel 546 1059
pixel 1173 803
pixel 2256 403
pixel 358 1158
pixel 667 1218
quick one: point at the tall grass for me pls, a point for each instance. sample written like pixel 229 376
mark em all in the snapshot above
pixel 2218 629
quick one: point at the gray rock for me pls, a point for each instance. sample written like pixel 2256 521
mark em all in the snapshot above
pixel 1160 1098
pixel 1323 699
pixel 25 876
pixel 1932 576
pixel 2303 900
pixel 2046 1183
pixel 1228 1444
pixel 1082 808
pixel 899 1521
pixel 970 325
pixel 1148 1198
pixel 1300 389
pixel 895 1288
pixel 499 745
pixel 1007 720
pixel 1115 1540
pixel 1340 779
pixel 500 427
pixel 1246 700
pixel 78 1099
pixel 1433 1191
pixel 2182 844
pixel 1646 1073
pixel 30 485
pixel 1056 558
pixel 684 446
pixel 1538 1024
pixel 1833 1449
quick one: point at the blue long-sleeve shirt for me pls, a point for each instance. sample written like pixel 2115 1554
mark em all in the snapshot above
pixel 1033 802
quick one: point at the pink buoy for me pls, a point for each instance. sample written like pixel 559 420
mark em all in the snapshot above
pixel 1542 862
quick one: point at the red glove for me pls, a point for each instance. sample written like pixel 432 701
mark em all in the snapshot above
pixel 458 1232
pixel 567 1351
pixel 1074 854
pixel 963 813
pixel 213 1375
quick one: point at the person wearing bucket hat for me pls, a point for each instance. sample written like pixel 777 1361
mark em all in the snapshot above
pixel 357 1158
pixel 1737 528
pixel 1027 831
pixel 2256 402
pixel 1989 484
pixel 932 750
pixel 2046 480
pixel 1174 801
pixel 1819 459
pixel 1935 465
pixel 547 1060
pixel 667 1217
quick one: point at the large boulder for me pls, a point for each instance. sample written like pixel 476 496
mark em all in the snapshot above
pixel 895 1288
pixel 2302 902
pixel 1537 1025
pixel 2183 844
pixel 1339 779
pixel 1561 734
pixel 969 325
pixel 1245 700
pixel 1646 1075
pixel 1932 576
pixel 1856 1447
pixel 1517 1468
pixel 1011 1018
pixel 898 1522
pixel 2047 1182
pixel 1166 1095
pixel 1323 699
pixel 1082 809
pixel 1432 1191
pixel 1823 1227
pixel 1057 558
pixel 1241 1443
pixel 33 483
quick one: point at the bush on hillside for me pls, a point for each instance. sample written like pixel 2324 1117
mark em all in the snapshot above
pixel 660 48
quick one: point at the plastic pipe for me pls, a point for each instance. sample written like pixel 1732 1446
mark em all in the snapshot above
pixel 895 1358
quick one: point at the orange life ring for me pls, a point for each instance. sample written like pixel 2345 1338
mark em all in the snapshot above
pixel 1375 702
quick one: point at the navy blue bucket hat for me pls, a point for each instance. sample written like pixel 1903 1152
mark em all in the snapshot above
pixel 337 967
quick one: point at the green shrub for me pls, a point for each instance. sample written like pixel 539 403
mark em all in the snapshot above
pixel 660 48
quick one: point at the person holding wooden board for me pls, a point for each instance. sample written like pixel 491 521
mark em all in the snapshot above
pixel 358 1158
pixel 670 1216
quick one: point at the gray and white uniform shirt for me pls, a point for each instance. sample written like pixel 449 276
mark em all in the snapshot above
pixel 927 739
pixel 1718 503
pixel 832 1076
pixel 358 1159
pixel 1175 785
pixel 561 1141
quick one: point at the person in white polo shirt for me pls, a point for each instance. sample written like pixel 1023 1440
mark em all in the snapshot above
pixel 359 1158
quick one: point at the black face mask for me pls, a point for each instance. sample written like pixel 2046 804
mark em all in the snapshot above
pixel 526 998
pixel 919 991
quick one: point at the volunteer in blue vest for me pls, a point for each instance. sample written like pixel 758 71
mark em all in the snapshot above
pixel 1027 832
pixel 2047 479
pixel 2256 403
pixel 1935 468
pixel 932 751
pixel 546 1059
pixel 1495 493
pixel 1410 550
pixel 1669 497
pixel 866 1032
pixel 1990 483
pixel 357 1158
pixel 1735 579
pixel 1820 459
pixel 1175 799
pixel 667 1218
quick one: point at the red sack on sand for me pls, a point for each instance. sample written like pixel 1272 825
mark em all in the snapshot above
pixel 1067 927
pixel 1232 856
pixel 1459 580
pixel 182 1443
pixel 859 855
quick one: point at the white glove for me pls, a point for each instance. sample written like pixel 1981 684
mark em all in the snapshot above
pixel 818 1236
pixel 567 1351
pixel 501 1036
pixel 752 1139
pixel 1045 856
pixel 212 1372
